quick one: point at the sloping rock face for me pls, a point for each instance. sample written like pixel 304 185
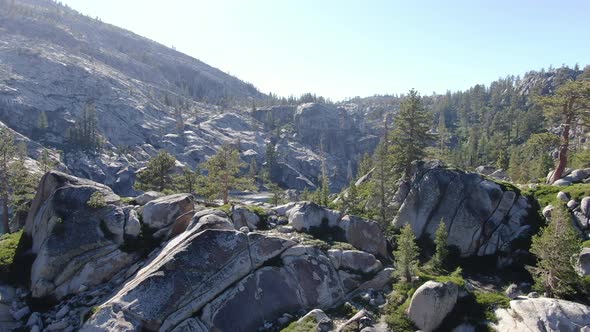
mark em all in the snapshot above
pixel 220 274
pixel 76 245
pixel 481 216
pixel 543 315
pixel 431 303
pixel 187 274
pixel 214 278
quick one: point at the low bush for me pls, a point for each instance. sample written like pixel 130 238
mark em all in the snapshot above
pixel 96 200
pixel 307 325
pixel 8 247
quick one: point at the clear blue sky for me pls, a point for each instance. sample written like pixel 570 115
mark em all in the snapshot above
pixel 347 48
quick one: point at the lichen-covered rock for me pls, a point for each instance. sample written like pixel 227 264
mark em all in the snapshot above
pixel 482 217
pixel 215 220
pixel 547 211
pixel 307 216
pixel 75 244
pixel 355 260
pixel 543 315
pixel 242 216
pixel 173 212
pixel 365 235
pixel 431 303
pixel 583 262
pixel 147 196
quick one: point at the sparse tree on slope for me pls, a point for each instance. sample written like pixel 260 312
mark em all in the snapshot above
pixel 555 246
pixel 410 134
pixel 223 171
pixel 16 184
pixel 406 254
pixel 440 241
pixel 157 174
pixel 45 162
pixel 570 104
pixel 187 181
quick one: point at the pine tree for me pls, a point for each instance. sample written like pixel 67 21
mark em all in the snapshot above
pixel 277 194
pixel 187 181
pixel 270 158
pixel 365 165
pixel 22 183
pixel 384 182
pixel 555 246
pixel 324 190
pixel 570 104
pixel 17 185
pixel 440 241
pixel 406 254
pixel 253 170
pixel 45 162
pixel 410 135
pixel 42 123
pixel 223 171
pixel 156 176
pixel 443 136
pixel 7 153
pixel 85 135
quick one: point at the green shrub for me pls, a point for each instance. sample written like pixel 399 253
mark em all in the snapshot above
pixel 317 243
pixel 547 194
pixel 341 246
pixel 490 301
pixel 395 311
pixel 477 309
pixel 96 200
pixel 8 246
pixel 257 210
pixel 345 310
pixel 127 200
pixel 455 277
pixel 586 244
pixel 225 208
pixel 90 312
pixel 307 325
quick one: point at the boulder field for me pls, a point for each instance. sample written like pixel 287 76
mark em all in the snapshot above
pixel 173 265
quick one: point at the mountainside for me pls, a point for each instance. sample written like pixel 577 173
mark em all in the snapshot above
pixel 54 63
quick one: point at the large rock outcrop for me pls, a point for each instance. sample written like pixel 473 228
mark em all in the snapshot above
pixel 75 244
pixel 482 216
pixel 543 315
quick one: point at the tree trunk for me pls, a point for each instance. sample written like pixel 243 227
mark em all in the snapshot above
pixel 225 188
pixel 5 225
pixel 563 148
